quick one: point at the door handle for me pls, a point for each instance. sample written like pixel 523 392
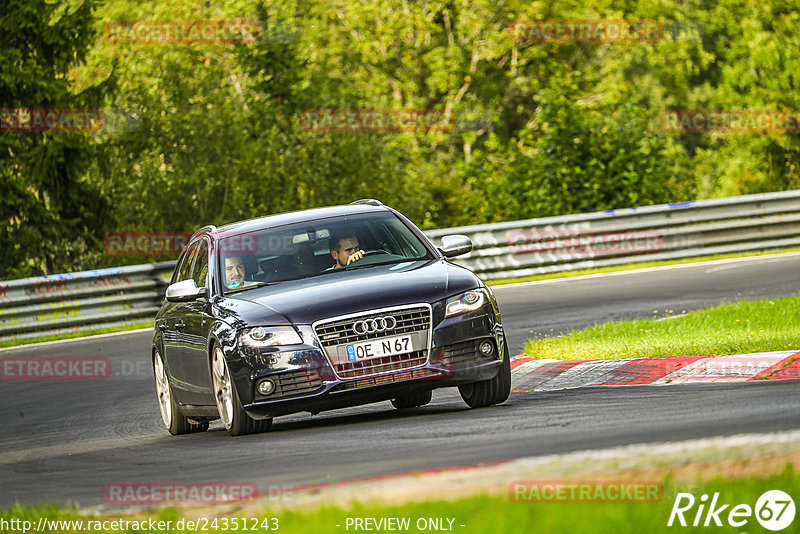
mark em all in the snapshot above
pixel 180 325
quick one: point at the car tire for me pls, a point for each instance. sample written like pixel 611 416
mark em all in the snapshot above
pixel 231 412
pixel 412 400
pixel 173 420
pixel 492 391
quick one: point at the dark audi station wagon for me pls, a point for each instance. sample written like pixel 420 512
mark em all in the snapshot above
pixel 322 309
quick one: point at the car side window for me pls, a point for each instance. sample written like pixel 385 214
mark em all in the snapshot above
pixel 176 273
pixel 186 265
pixel 200 268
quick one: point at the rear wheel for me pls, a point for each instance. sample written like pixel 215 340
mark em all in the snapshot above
pixel 412 400
pixel 492 391
pixel 173 420
pixel 233 416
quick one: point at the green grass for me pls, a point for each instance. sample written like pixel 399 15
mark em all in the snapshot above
pixel 499 513
pixel 640 265
pixel 71 335
pixel 731 328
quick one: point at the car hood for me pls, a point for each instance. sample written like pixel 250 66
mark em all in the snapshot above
pixel 344 292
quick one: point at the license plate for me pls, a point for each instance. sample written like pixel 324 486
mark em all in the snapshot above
pixel 380 347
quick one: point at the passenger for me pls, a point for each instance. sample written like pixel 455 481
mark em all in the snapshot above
pixel 345 249
pixel 234 272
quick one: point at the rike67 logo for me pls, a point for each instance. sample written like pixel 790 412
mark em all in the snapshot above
pixel 774 510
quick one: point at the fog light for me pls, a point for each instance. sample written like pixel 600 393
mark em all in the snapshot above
pixel 266 387
pixel 486 348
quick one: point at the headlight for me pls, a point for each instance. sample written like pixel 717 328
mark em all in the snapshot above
pixel 469 301
pixel 269 336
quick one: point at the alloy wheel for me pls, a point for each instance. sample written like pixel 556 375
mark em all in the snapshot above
pixel 162 390
pixel 223 392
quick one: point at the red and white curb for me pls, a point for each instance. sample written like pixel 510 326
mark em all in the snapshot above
pixel 531 374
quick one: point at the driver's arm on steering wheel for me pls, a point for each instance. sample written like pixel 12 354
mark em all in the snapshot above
pixel 356 256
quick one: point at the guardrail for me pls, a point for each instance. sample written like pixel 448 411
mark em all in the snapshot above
pixel 71 302
pixel 616 237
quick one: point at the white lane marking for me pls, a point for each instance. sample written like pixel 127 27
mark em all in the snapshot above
pixel 721 268
pixel 766 258
pixel 667 317
pixel 75 339
pixel 726 267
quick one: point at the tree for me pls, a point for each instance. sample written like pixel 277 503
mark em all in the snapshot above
pixel 51 215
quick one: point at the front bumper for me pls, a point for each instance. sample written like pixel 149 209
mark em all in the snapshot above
pixel 305 382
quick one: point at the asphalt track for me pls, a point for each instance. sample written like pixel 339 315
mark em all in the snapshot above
pixel 64 441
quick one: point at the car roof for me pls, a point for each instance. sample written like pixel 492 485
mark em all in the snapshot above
pixel 291 217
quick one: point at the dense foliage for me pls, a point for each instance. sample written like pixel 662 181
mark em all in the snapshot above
pixel 208 132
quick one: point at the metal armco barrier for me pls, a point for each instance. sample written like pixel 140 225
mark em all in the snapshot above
pixel 616 237
pixel 72 302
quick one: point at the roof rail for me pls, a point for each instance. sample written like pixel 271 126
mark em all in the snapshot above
pixel 368 201
pixel 207 228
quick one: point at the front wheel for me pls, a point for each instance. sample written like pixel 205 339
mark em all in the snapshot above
pixel 173 420
pixel 492 391
pixel 233 416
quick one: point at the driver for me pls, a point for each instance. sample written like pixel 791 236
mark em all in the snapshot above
pixel 234 272
pixel 345 249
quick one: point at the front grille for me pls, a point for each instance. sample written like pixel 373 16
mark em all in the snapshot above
pixel 381 365
pixel 336 334
pixel 465 355
pixel 295 383
pixel 413 374
pixel 341 332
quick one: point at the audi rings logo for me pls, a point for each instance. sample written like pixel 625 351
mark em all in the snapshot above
pixel 373 326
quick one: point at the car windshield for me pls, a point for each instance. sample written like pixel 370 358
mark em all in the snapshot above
pixel 314 248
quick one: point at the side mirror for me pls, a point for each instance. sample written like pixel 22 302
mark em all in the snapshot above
pixel 455 245
pixel 184 291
